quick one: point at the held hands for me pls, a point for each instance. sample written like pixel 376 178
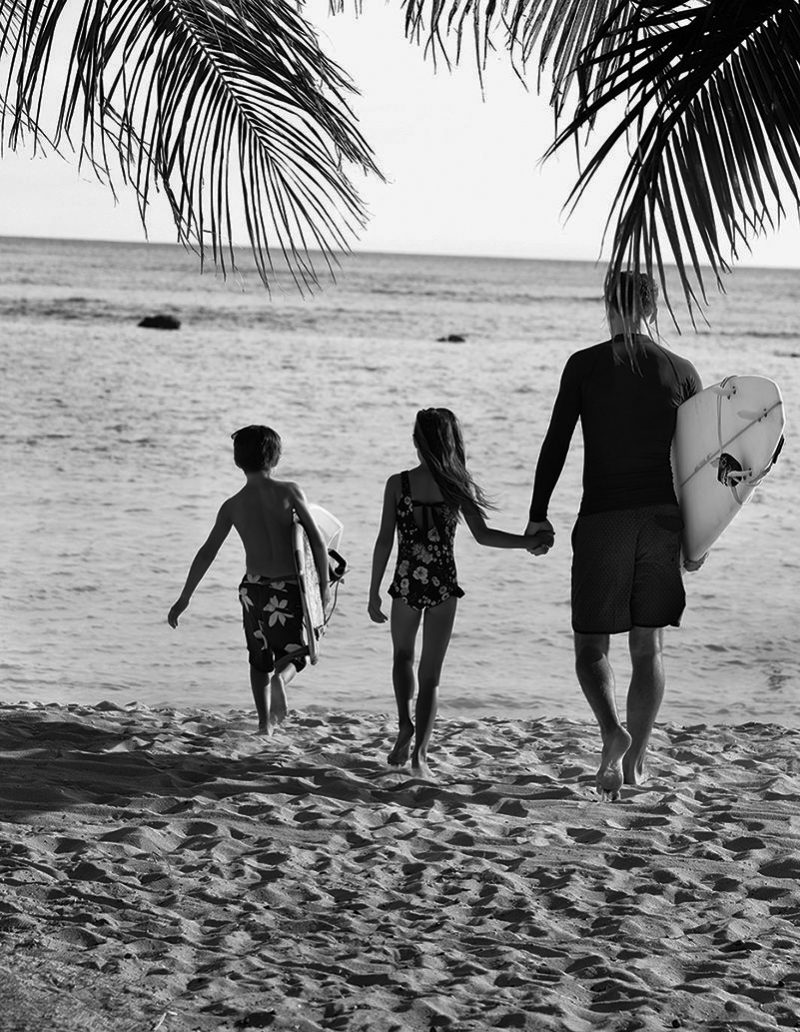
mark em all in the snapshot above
pixel 693 565
pixel 175 612
pixel 542 536
pixel 376 614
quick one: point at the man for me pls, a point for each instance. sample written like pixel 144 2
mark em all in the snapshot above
pixel 626 570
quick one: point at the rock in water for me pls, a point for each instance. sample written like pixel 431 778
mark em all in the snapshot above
pixel 160 322
pixel 452 338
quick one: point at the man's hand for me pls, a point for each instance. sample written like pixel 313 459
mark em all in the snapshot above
pixel 693 565
pixel 175 612
pixel 547 536
pixel 376 614
pixel 326 596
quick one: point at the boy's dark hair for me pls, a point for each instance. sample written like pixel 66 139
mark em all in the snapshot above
pixel 256 448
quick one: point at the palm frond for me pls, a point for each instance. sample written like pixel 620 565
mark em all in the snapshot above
pixel 228 106
pixel 712 90
pixel 705 93
pixel 558 31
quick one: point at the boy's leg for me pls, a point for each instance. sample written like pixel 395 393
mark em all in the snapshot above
pixel 285 671
pixel 644 696
pixel 436 632
pixel 286 635
pixel 258 682
pixel 597 681
pixel 404 625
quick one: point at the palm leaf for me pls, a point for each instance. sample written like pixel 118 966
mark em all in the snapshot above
pixel 227 106
pixel 705 93
pixel 712 90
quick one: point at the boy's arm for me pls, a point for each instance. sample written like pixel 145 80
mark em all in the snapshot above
pixel 318 547
pixel 537 543
pixel 206 555
pixel 382 550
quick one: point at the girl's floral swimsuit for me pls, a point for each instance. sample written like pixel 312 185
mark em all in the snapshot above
pixel 426 568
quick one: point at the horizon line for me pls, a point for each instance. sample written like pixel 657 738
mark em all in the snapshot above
pixel 367 251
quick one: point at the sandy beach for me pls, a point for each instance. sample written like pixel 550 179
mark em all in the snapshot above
pixel 170 870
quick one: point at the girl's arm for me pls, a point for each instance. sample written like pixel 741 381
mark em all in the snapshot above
pixel 500 538
pixel 206 555
pixel 383 549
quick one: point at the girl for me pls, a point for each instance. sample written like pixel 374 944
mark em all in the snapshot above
pixel 424 505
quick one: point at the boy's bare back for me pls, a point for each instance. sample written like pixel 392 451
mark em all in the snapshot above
pixel 262 515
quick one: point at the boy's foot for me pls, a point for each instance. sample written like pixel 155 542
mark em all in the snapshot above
pixel 609 773
pixel 265 729
pixel 399 753
pixel 278 705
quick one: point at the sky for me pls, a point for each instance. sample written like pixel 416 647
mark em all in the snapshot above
pixel 463 170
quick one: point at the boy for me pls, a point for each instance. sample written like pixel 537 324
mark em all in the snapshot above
pixel 270 595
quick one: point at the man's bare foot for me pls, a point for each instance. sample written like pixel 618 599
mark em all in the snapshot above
pixel 420 769
pixel 265 729
pixel 609 773
pixel 399 752
pixel 278 706
pixel 633 769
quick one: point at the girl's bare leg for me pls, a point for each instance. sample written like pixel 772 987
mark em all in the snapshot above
pixel 404 625
pixel 436 631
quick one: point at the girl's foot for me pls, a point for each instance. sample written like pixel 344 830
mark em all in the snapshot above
pixel 399 753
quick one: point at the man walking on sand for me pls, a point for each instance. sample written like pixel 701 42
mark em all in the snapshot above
pixel 626 571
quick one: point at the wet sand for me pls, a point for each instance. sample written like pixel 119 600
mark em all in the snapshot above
pixel 171 870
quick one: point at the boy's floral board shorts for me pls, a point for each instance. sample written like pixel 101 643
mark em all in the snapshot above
pixel 272 614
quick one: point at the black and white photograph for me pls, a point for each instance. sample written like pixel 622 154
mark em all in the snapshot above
pixel 400 515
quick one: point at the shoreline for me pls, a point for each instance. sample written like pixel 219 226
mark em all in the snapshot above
pixel 169 869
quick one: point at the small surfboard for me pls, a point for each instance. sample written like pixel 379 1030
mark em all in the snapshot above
pixel 727 439
pixel 314 616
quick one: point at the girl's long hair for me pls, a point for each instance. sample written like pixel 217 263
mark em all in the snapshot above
pixel 437 434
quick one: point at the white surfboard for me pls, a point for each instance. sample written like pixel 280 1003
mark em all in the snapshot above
pixel 726 440
pixel 314 616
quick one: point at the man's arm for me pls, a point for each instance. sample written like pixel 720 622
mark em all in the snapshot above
pixel 206 555
pixel 318 547
pixel 553 453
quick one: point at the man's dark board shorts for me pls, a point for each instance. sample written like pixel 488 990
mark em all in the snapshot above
pixel 272 614
pixel 626 570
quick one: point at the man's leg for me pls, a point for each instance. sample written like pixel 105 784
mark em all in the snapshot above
pixel 644 696
pixel 404 623
pixel 436 632
pixel 596 679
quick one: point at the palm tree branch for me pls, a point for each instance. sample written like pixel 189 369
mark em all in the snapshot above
pixel 706 81
pixel 184 90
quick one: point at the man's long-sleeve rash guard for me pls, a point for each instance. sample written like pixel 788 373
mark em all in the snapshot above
pixel 627 418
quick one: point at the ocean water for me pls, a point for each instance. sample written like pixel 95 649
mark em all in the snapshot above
pixel 115 455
